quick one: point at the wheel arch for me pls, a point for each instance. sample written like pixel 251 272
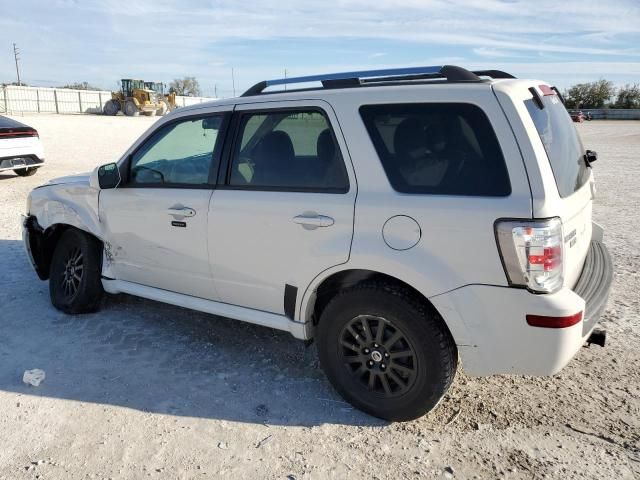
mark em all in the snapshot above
pixel 43 242
pixel 325 289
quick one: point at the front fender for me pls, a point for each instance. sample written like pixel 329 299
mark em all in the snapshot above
pixel 69 204
pixel 51 209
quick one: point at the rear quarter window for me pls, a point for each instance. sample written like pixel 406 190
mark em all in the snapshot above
pixel 437 148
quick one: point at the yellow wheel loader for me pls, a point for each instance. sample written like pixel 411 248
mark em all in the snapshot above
pixel 169 99
pixel 134 98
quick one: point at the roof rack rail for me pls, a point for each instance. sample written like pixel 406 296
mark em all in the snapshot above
pixel 349 79
pixel 493 74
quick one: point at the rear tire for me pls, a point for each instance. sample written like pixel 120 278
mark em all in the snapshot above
pixel 399 365
pixel 111 108
pixel 130 109
pixel 26 172
pixel 74 281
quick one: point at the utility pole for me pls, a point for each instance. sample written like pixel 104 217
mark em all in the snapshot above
pixel 215 90
pixel 15 55
pixel 285 77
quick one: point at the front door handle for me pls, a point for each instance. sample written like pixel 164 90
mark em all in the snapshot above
pixel 313 221
pixel 181 212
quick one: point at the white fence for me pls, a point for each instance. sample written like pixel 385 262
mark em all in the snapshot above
pixel 613 113
pixel 14 99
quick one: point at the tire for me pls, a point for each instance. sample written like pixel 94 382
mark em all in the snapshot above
pixel 415 381
pixel 74 281
pixel 26 172
pixel 164 108
pixel 130 109
pixel 111 107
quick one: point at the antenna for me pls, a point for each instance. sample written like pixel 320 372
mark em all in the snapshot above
pixel 15 55
pixel 233 82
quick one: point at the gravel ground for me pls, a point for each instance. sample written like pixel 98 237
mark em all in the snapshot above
pixel 143 389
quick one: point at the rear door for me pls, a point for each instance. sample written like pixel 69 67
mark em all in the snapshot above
pixel 284 210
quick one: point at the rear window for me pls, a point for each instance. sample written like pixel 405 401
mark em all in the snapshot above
pixel 561 142
pixel 437 148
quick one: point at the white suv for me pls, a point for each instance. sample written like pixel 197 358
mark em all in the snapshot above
pixel 401 218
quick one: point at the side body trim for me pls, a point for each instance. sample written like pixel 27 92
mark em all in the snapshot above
pixel 290 295
pixel 266 319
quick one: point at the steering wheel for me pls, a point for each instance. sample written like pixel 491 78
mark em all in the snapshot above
pixel 137 168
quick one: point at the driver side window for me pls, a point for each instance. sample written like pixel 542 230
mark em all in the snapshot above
pixel 180 153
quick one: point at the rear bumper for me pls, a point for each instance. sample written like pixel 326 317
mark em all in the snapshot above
pixel 20 161
pixel 497 338
pixel 594 284
pixel 21 153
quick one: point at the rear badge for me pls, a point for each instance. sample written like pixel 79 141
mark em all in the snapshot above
pixel 179 224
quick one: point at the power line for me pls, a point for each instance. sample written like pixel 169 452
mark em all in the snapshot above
pixel 15 56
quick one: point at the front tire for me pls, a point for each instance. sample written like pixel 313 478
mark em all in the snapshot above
pixel 130 109
pixel 385 352
pixel 25 172
pixel 74 281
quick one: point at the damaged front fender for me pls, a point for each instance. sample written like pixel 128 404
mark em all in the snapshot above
pixel 53 209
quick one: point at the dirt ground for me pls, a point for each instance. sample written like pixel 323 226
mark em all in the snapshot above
pixel 143 389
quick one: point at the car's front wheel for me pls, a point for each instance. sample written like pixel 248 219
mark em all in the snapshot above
pixel 385 352
pixel 74 277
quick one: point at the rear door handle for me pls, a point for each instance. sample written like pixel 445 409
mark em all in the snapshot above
pixel 313 221
pixel 181 212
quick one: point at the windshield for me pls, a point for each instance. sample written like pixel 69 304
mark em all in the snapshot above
pixel 562 143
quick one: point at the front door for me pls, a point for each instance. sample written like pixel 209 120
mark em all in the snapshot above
pixel 284 210
pixel 156 221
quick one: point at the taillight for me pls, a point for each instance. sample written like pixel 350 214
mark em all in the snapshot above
pixel 19 133
pixel 531 253
pixel 545 321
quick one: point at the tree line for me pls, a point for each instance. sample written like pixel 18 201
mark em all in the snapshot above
pixel 599 94
pixel 187 86
pixel 602 94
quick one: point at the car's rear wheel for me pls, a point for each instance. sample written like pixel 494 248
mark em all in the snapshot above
pixel 385 352
pixel 26 172
pixel 74 280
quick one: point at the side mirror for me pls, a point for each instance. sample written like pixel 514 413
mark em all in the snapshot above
pixel 590 156
pixel 212 123
pixel 106 176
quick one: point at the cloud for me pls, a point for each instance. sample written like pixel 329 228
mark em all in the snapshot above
pixel 66 40
pixel 493 52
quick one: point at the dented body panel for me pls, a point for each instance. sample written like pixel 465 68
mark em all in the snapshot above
pixel 67 200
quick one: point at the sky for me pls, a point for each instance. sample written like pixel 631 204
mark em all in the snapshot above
pixel 562 42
